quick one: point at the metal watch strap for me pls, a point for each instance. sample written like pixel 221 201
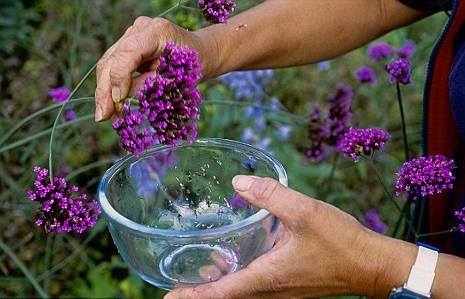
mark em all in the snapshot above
pixel 422 273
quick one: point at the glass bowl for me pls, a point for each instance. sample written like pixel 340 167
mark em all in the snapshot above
pixel 174 216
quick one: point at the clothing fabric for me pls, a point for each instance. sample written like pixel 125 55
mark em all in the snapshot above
pixel 444 122
pixel 430 5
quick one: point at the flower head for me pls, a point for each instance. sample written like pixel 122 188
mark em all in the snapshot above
pixel 363 142
pixel 399 71
pixel 430 175
pixel 366 75
pixel 168 102
pixel 407 49
pixel 461 216
pixel 372 221
pixel 216 11
pixel 380 51
pixel 59 94
pixel 61 208
pixel 328 129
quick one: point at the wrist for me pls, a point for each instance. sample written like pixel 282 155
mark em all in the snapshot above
pixel 381 264
pixel 396 258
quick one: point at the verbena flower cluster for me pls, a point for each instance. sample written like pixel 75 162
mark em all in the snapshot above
pixel 399 71
pixel 357 142
pixel 461 216
pixel 168 103
pixel 59 95
pixel 216 11
pixel 427 175
pixel 373 221
pixel 62 209
pixel 366 75
pixel 327 129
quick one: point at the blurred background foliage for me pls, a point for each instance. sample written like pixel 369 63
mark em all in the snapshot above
pixel 46 44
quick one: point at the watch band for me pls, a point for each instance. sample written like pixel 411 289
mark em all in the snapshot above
pixel 422 273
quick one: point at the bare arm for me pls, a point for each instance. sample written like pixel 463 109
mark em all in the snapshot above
pixel 279 33
pixel 295 32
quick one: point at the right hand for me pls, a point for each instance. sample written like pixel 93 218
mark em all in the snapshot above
pixel 138 50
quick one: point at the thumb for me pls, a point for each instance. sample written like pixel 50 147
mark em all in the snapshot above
pixel 271 195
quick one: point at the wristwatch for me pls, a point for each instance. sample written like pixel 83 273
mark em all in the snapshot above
pixel 420 280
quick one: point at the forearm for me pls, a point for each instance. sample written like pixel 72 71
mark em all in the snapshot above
pixel 267 36
pixel 396 258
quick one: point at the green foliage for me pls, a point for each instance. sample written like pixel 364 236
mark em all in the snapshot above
pixel 43 47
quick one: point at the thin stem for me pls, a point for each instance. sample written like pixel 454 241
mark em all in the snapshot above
pixel 404 127
pixel 405 208
pixel 180 3
pixel 420 217
pixel 55 123
pixel 24 269
pixel 399 209
pixel 88 167
pixel 43 133
pixel 454 229
pixel 296 118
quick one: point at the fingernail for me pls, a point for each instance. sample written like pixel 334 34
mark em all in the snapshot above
pixel 242 182
pixel 116 94
pixel 98 113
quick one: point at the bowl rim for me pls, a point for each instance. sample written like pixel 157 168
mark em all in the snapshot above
pixel 117 218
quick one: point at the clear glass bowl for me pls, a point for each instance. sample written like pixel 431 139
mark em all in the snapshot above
pixel 175 218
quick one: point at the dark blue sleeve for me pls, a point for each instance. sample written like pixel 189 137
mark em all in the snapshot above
pixel 429 5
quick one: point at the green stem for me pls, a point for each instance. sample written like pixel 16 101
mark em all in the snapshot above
pixel 404 127
pixel 420 217
pixel 24 269
pixel 55 123
pixel 405 208
pixel 180 3
pixel 37 114
pixel 329 181
pixel 454 229
pixel 388 194
pixel 43 133
pixel 88 167
pixel 296 118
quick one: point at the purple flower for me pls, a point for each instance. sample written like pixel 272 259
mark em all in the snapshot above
pixel 61 208
pixel 372 221
pixel 133 136
pixel 407 49
pixel 363 142
pixel 59 94
pixel 168 102
pixel 339 114
pixel 328 129
pixel 399 71
pixel 430 175
pixel 237 202
pixel 461 215
pixel 380 51
pixel 70 115
pixel 366 75
pixel 216 11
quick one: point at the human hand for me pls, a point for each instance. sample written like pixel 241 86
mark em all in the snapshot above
pixel 320 251
pixel 138 50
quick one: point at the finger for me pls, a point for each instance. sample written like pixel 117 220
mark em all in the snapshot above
pixel 104 107
pixel 273 196
pixel 226 287
pixel 103 103
pixel 133 52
